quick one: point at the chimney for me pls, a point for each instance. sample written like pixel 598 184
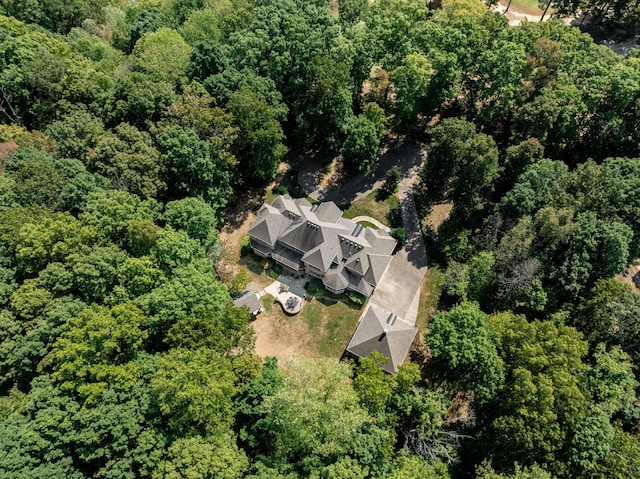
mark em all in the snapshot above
pixel 383 335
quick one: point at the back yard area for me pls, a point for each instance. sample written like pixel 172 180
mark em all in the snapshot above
pixel 322 328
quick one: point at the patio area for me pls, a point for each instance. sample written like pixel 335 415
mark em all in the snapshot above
pixel 287 291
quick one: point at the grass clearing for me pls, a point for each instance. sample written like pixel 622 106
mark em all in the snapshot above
pixel 430 292
pixel 322 329
pixel 526 6
pixel 269 196
pixel 311 314
pixel 257 270
pixel 267 304
pixel 373 205
pixel 335 329
pixel 438 214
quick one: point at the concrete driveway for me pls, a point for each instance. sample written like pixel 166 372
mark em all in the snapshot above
pixel 399 289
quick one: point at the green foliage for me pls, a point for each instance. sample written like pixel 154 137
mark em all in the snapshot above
pixel 245 246
pixel 228 334
pixel 163 55
pixel 192 215
pixel 111 212
pixel 391 180
pixel 411 79
pixel 148 20
pixel 192 168
pixel 138 100
pixel 485 471
pixel 194 390
pixel 373 385
pixel 462 165
pixel 201 25
pixel 37 178
pixel 97 350
pixel 351 11
pixel 76 133
pixel 357 298
pixel 128 158
pixel 399 235
pixel 623 458
pixel 200 457
pixel 316 411
pixel 465 350
pixel 360 147
pixel 259 146
pixel 156 377
pixel 547 402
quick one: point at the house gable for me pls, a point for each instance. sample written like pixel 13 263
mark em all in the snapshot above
pixel 384 332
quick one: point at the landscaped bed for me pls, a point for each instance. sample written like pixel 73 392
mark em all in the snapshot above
pixel 376 205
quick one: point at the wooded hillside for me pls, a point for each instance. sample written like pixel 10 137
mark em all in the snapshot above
pixel 127 128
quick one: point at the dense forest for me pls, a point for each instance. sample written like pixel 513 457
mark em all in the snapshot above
pixel 126 128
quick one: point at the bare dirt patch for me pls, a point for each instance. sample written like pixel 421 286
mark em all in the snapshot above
pixel 321 329
pixel 279 335
pixel 631 276
pixel 438 214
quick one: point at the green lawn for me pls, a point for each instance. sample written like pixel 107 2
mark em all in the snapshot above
pixel 367 224
pixel 372 205
pixel 330 325
pixel 429 296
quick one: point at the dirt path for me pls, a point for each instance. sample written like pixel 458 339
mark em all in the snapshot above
pixel 343 191
pixel 516 16
pixel 240 213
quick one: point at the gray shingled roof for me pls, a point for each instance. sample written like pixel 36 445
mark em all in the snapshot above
pixel 302 236
pixel 268 227
pixel 377 266
pixel 249 299
pixel 324 237
pixel 287 257
pixel 328 212
pixel 374 333
pixel 335 279
pixel 320 258
pixel 358 263
pixel 358 283
pixel 286 203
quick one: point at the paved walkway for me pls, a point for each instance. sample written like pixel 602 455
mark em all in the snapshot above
pixel 287 291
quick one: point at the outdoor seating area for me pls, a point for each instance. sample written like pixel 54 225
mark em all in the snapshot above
pixel 287 291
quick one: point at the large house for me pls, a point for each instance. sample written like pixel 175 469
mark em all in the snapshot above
pixel 315 240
